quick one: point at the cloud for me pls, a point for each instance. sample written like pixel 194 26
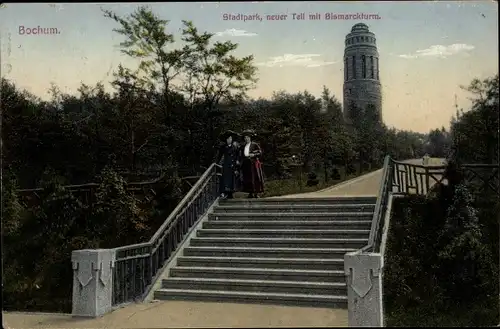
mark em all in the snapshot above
pixel 440 51
pixel 305 60
pixel 235 33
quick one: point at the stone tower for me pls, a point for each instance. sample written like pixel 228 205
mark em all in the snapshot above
pixel 361 70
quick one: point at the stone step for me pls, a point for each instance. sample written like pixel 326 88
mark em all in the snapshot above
pixel 278 242
pixel 301 201
pixel 258 273
pixel 264 286
pixel 292 216
pixel 289 224
pixel 336 264
pixel 267 252
pixel 253 297
pixel 280 233
pixel 256 208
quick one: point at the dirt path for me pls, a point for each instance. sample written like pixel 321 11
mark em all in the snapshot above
pixel 179 314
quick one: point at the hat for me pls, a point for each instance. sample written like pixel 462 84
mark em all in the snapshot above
pixel 248 132
pixel 228 133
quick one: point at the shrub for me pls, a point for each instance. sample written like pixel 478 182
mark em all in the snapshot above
pixel 438 262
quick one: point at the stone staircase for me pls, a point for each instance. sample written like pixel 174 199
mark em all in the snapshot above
pixel 275 251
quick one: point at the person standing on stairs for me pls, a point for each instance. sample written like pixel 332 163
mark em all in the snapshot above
pixel 251 167
pixel 228 159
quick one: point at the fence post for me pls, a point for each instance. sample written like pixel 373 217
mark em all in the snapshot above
pixel 92 281
pixel 364 289
pixel 427 181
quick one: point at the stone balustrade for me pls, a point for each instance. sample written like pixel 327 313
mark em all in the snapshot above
pixel 92 281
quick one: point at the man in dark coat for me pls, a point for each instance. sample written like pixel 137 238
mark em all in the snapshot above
pixel 251 167
pixel 228 159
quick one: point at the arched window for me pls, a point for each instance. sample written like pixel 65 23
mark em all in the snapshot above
pixel 357 39
pixel 378 68
pixel 363 67
pixel 346 65
pixel 354 67
pixel 372 68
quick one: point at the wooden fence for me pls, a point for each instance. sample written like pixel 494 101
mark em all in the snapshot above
pixel 410 178
pixel 145 191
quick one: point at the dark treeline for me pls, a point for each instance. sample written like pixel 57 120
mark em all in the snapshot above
pixel 442 266
pixel 163 118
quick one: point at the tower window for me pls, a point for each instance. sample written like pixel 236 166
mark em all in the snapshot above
pixel 363 67
pixel 352 40
pixel 378 68
pixel 357 39
pixel 372 73
pixel 354 67
pixel 346 65
pixel 362 39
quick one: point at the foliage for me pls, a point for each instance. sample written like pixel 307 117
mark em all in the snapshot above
pixel 440 267
pixel 438 144
pixel 117 212
pixel 462 253
pixel 479 124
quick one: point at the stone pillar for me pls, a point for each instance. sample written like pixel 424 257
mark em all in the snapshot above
pixel 364 289
pixel 92 281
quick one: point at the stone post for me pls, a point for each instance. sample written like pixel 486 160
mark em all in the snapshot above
pixel 364 289
pixel 425 160
pixel 92 281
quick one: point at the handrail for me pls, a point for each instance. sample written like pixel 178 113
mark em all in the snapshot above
pixel 183 201
pixel 378 213
pixel 418 165
pixel 173 214
pixel 137 266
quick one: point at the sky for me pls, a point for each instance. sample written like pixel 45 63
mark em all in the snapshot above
pixel 427 49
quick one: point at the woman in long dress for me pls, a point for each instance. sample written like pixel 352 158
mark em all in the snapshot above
pixel 228 159
pixel 251 167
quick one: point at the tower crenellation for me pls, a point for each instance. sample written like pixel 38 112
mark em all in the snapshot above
pixel 361 70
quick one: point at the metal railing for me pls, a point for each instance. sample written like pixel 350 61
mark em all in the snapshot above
pixel 380 207
pixel 138 266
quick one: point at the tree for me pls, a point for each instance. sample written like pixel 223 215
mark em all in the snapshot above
pixel 475 133
pixel 116 211
pixel 438 143
pixel 146 39
pixel 464 259
pixel 212 73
